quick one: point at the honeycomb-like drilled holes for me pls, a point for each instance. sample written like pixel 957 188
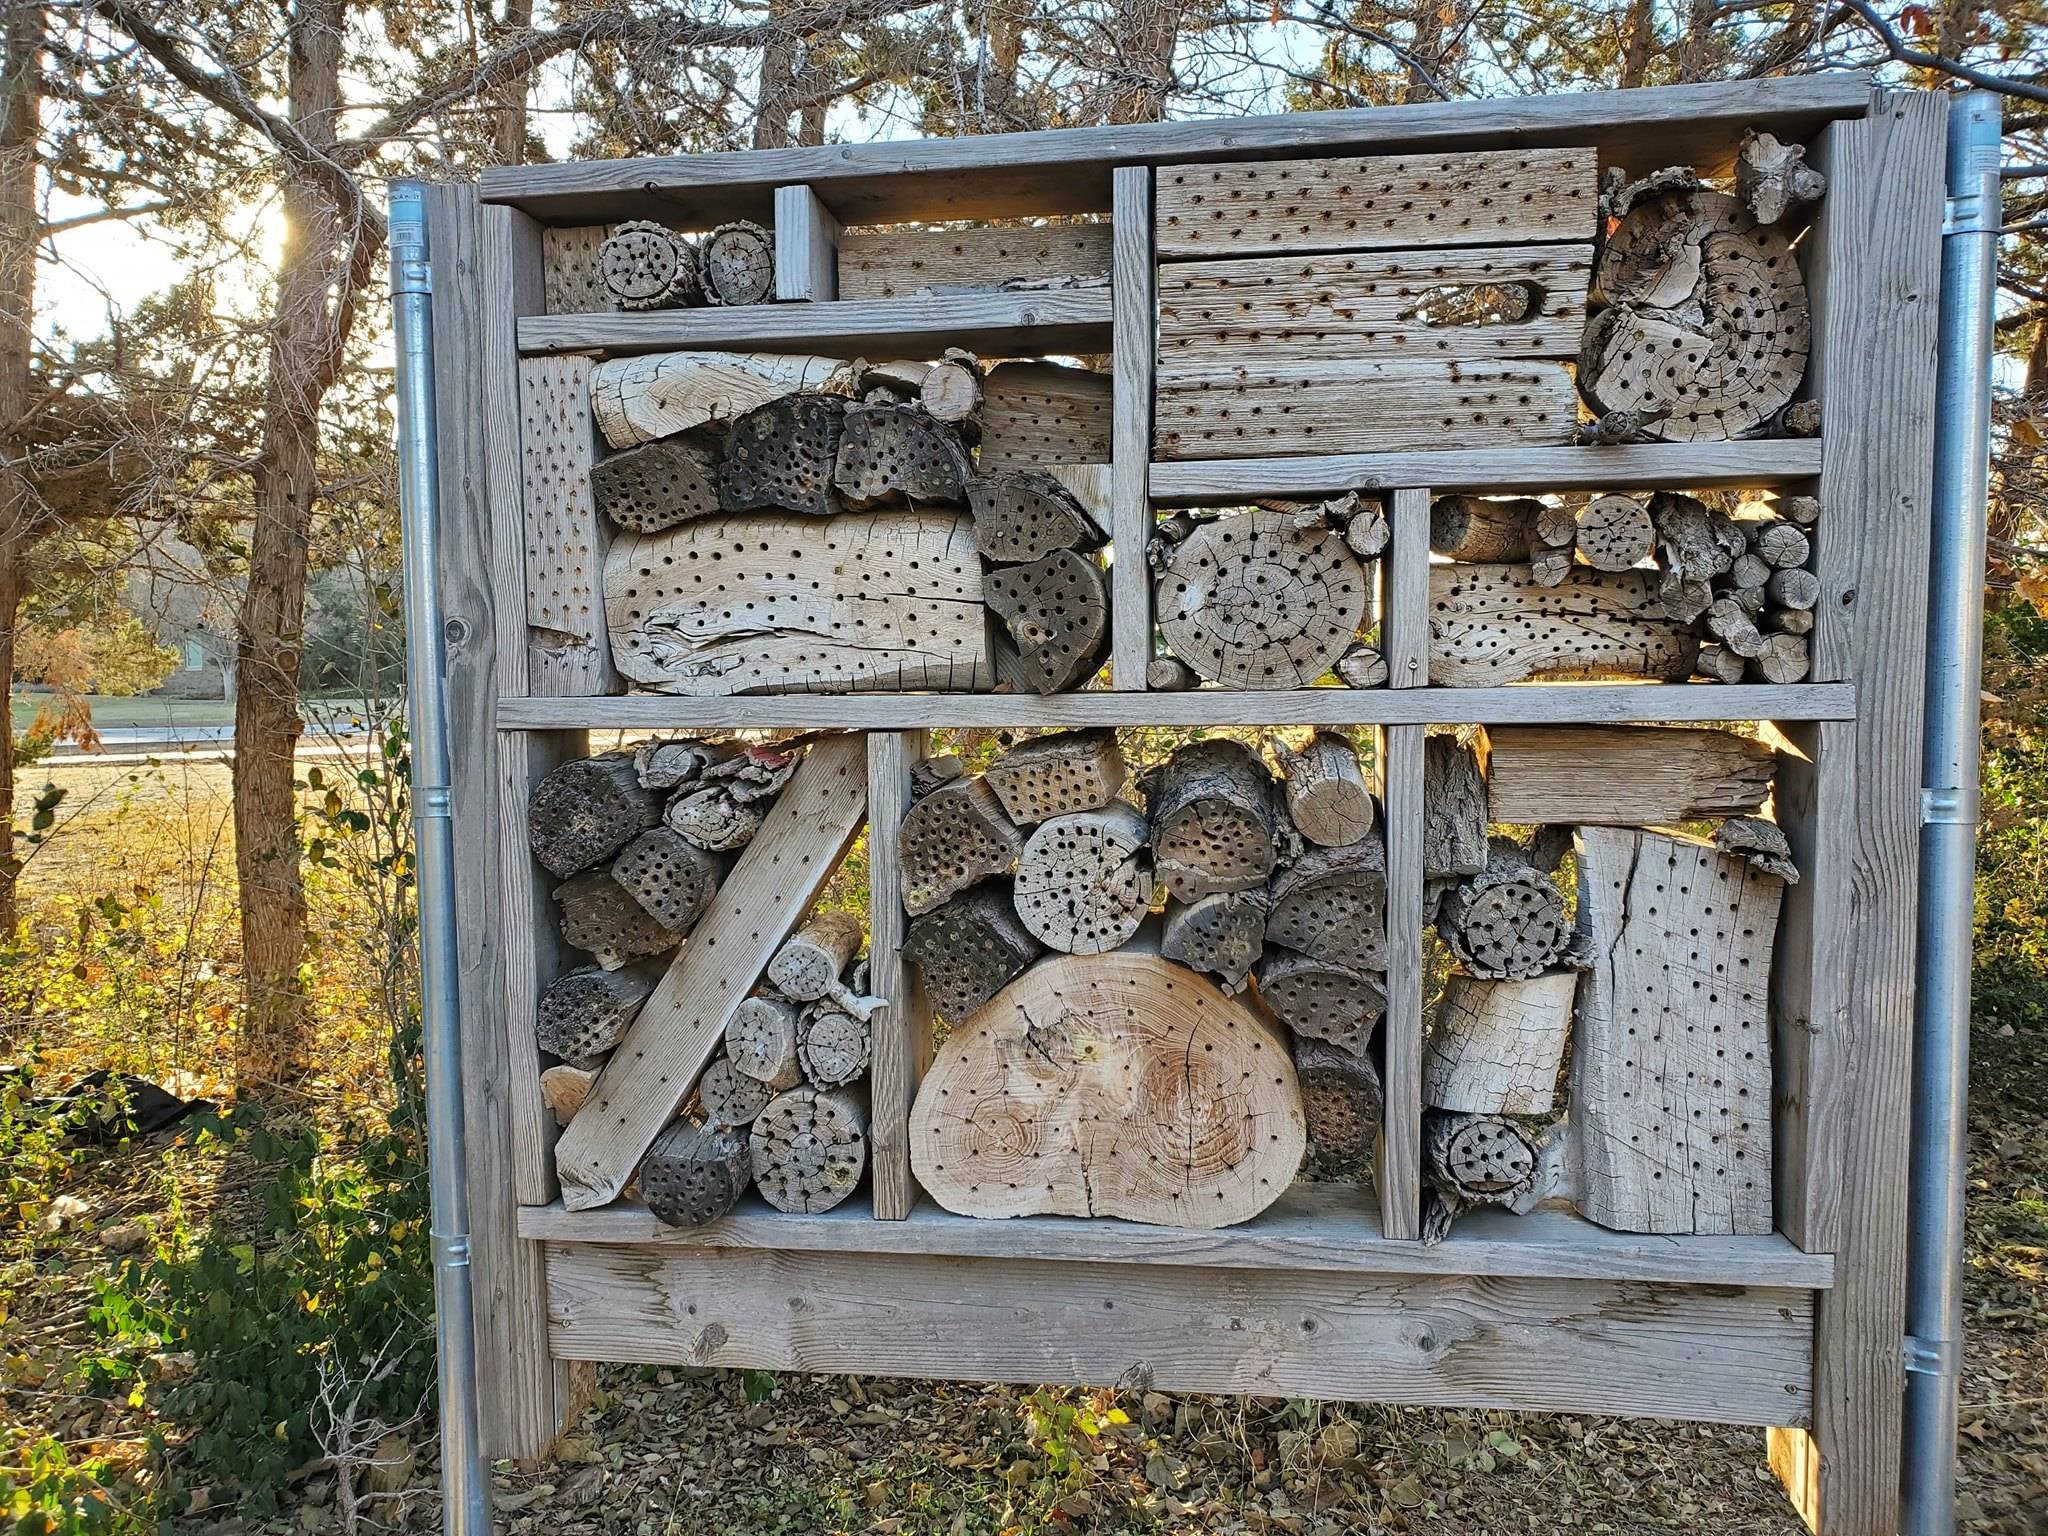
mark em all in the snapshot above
pixel 1331 917
pixel 897 452
pixel 737 264
pixel 1490 1157
pixel 656 485
pixel 672 880
pixel 1253 602
pixel 781 455
pixel 1077 888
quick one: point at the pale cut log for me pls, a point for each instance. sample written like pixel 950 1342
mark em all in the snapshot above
pixel 1782 658
pixel 1251 600
pixel 695 1172
pixel 1478 1159
pixel 1361 667
pixel 815 955
pixel 585 811
pixel 1084 882
pixel 1506 922
pixel 1169 674
pixel 1614 533
pixel 760 1042
pixel 1331 904
pixel 968 947
pixel 586 1012
pixel 1223 933
pixel 638 399
pixel 1481 528
pixel 1493 624
pixel 1058 774
pixel 1023 514
pixel 671 877
pixel 599 917
pixel 1790 621
pixel 649 266
pixel 810 1148
pixel 565 1089
pixel 1623 775
pixel 1366 530
pixel 902 378
pixel 1793 589
pixel 1327 797
pixel 656 485
pixel 953 837
pixel 1321 998
pixel 1721 664
pixel 1110 1085
pixel 713 820
pixel 1762 843
pixel 871 600
pixel 1056 609
pixel 1496 1047
pixel 1216 821
pixel 781 457
pixel 1455 809
pixel 668 765
pixel 1707 319
pixel 1036 415
pixel 1671 1054
pixel 1773 179
pixel 1749 570
pixel 1728 621
pixel 1341 1099
pixel 890 454
pixel 730 1097
pixel 951 391
pixel 736 264
pixel 833 1046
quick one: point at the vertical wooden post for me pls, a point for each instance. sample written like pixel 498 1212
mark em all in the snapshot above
pixel 1399 1172
pixel 903 1030
pixel 1404 599
pixel 1130 476
pixel 1876 260
pixel 806 247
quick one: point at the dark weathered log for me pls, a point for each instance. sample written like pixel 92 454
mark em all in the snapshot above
pixel 952 837
pixel 1454 809
pixel 1216 821
pixel 586 1012
pixel 1251 600
pixel 781 456
pixel 1223 934
pixel 754 773
pixel 1059 774
pixel 1614 533
pixel 695 1172
pixel 587 810
pixel 1473 1160
pixel 668 765
pixel 833 1046
pixel 1057 610
pixel 1773 179
pixel 1479 528
pixel 760 1041
pixel 1804 510
pixel 894 453
pixel 713 820
pixel 648 266
pixel 1084 882
pixel 967 948
pixel 1495 1047
pixel 1331 904
pixel 1761 843
pixel 1318 998
pixel 564 1090
pixel 1782 658
pixel 656 485
pixel 813 958
pixel 736 264
pixel 731 1097
pixel 1800 419
pixel 1169 674
pixel 1022 514
pixel 1362 667
pixel 1341 1099
pixel 1507 921
pixel 600 918
pixel 1695 545
pixel 1327 797
pixel 809 1148
pixel 670 876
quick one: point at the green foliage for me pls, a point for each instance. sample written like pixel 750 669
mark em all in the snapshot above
pixel 43 1492
pixel 36 1153
pixel 2010 980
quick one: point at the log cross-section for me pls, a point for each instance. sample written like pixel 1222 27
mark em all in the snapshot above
pixel 1256 600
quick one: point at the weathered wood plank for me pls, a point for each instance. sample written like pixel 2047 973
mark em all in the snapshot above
pixel 1491 625
pixel 680 1026
pixel 1622 776
pixel 1036 415
pixel 1404 590
pixel 894 264
pixel 1130 505
pixel 565 537
pixel 807 242
pixel 573 282
pixel 1398 1174
pixel 902 1030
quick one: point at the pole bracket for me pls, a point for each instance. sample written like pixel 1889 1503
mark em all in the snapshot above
pixel 1949 805
pixel 1932 1357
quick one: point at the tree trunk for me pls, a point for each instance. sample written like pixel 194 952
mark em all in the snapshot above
pixel 670 876
pixel 1331 904
pixel 22 525
pixel 833 1046
pixel 953 837
pixel 508 117
pixel 1323 999
pixel 600 917
pixel 1496 1046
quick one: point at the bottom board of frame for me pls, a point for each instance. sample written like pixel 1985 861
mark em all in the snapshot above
pixel 1717 1354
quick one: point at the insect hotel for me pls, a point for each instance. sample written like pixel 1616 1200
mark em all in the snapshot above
pixel 1265 757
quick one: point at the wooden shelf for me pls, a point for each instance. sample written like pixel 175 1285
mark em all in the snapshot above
pixel 1328 1227
pixel 1762 463
pixel 1522 704
pixel 994 324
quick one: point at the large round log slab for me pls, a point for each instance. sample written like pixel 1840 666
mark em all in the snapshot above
pixel 1250 600
pixel 1110 1085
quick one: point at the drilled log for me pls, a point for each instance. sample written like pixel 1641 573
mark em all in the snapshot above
pixel 695 1172
pixel 713 820
pixel 1322 999
pixel 600 918
pixel 1084 882
pixel 1023 514
pixel 585 811
pixel 564 1088
pixel 736 264
pixel 1216 823
pixel 1341 1099
pixel 1056 609
pixel 648 266
pixel 1477 528
pixel 1495 1047
pixel 585 1013
pixel 1507 921
pixel 890 454
pixel 760 1042
pixel 1251 600
pixel 782 456
pixel 813 958
pixel 1478 1159
pixel 670 876
pixel 1495 624
pixel 731 1097
pixel 1327 797
pixel 1331 904
pixel 833 1046
pixel 967 948
pixel 952 837
pixel 810 1148
pixel 1223 933
pixel 1614 533
pixel 1058 774
pixel 656 485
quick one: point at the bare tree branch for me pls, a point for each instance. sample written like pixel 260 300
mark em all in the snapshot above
pixel 1899 49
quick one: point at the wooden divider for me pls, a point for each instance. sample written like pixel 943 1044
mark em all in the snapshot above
pixel 1399 1172
pixel 903 1030
pixel 1130 494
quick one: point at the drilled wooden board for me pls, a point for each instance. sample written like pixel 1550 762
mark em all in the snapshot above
pixel 1367 304
pixel 1037 414
pixel 1469 197
pixel 903 1030
pixel 1494 624
pixel 572 280
pixel 680 1026
pixel 1334 406
pixel 888 264
pixel 565 537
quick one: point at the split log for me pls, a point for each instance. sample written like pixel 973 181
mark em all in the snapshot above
pixel 713 820
pixel 587 810
pixel 1707 319
pixel 1223 933
pixel 1728 622
pixel 637 399
pixel 1794 589
pixel 1361 667
pixel 1614 533
pixel 967 948
pixel 810 1148
pixel 1494 624
pixel 671 877
pixel 656 485
pixel 736 264
pixel 1695 546
pixel 671 764
pixel 811 960
pixel 1250 600
pixel 1331 904
pixel 1341 1099
pixel 781 457
pixel 1327 797
pixel 889 454
pixel 1083 881
pixel 1782 658
pixel 1623 775
pixel 1216 825
pixel 833 1047
pixel 564 1090
pixel 760 1042
pixel 951 389
pixel 1321 999
pixel 1721 664
pixel 1792 621
pixel 1471 1160
pixel 1059 774
pixel 600 918
pixel 1804 510
pixel 1110 1085
pixel 1772 179
pixel 1057 610
pixel 953 837
pixel 695 1172
pixel 1455 809
pixel 1496 1046
pixel 1761 843
pixel 1169 674
pixel 649 266
pixel 1022 514
pixel 1671 1055
pixel 1364 522
pixel 585 1013
pixel 1506 922
pixel 1477 528
pixel 730 1097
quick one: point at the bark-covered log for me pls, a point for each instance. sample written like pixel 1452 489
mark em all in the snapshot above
pixel 1762 844
pixel 1478 1159
pixel 648 266
pixel 731 1097
pixel 1455 811
pixel 813 958
pixel 585 1013
pixel 1056 608
pixel 695 1172
pixel 754 773
pixel 890 454
pixel 928 773
pixel 967 948
pixel 713 820
pixel 1496 1046
pixel 833 1046
pixel 1803 510
pixel 1480 528
pixel 670 764
pixel 760 1042
pixel 600 918
pixel 1773 179
pixel 736 264
pixel 1495 624
pixel 782 455
pixel 656 485
pixel 1084 882
pixel 1341 1099
pixel 1728 622
pixel 1327 797
pixel 1250 600
pixel 810 1148
pixel 1024 514
pixel 1223 934
pixel 1058 775
pixel 1216 821
pixel 1338 1003
pixel 1507 921
pixel 564 1088
pixel 587 810
pixel 1362 667
pixel 1614 533
pixel 954 836
pixel 1331 904
pixel 1696 545
pixel 670 876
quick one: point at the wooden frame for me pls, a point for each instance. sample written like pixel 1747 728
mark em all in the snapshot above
pixel 1326 1293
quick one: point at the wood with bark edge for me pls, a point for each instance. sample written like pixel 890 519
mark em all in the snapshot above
pixel 1215 816
pixel 1331 904
pixel 1483 528
pixel 1056 609
pixel 1327 797
pixel 681 1025
pixel 1493 624
pixel 695 1172
pixel 760 1042
pixel 671 877
pixel 656 485
pixel 809 1148
pixel 1058 774
pixel 637 399
pixel 951 838
pixel 1621 775
pixel 951 391
pixel 736 264
pixel 1762 843
pixel 668 763
pixel 1112 1085
pixel 1455 816
pixel 1251 600
pixel 1773 179
pixel 1023 514
pixel 783 456
pixel 564 1088
pixel 808 964
pixel 645 265
pixel 585 811
pixel 600 917
pixel 713 820
pixel 890 454
pixel 1507 922
pixel 967 947
pixel 729 1096
pixel 1223 933
pixel 1084 880
pixel 833 1046
pixel 1324 999
pixel 1496 1046
pixel 1473 1160
pixel 1341 1100
pixel 585 1012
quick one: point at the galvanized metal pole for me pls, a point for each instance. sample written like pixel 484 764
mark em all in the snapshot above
pixel 1948 832
pixel 465 1483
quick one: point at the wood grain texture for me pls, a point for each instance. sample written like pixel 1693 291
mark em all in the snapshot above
pixel 1622 775
pixel 1130 495
pixel 574 283
pixel 1399 1172
pixel 679 1028
pixel 1681 1352
pixel 903 1029
pixel 1491 625
pixel 1038 415
pixel 565 537
pixel 1404 590
pixel 891 264
pixel 807 243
